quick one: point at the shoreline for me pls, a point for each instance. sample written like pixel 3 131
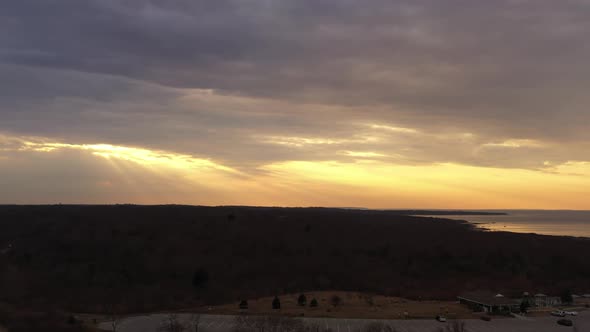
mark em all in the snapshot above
pixel 517 227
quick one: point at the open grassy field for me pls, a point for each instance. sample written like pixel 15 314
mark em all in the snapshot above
pixel 352 305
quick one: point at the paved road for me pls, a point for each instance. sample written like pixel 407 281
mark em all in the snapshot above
pixel 222 323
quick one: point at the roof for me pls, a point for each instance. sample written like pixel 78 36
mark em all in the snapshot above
pixel 540 295
pixel 488 299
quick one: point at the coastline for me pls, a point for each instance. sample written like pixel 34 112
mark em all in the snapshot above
pixel 575 224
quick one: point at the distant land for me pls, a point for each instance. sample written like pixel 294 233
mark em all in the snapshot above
pixel 148 258
pixel 407 212
pixel 447 213
pixel 428 212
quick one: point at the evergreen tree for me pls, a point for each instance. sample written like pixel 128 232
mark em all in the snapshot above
pixel 276 303
pixel 313 303
pixel 244 304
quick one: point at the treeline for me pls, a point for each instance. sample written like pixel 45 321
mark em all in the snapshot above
pixel 142 258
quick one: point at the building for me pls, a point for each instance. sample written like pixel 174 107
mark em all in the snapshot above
pixel 490 303
pixel 542 300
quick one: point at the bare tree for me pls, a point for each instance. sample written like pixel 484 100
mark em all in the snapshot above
pixel 242 324
pixel 336 300
pixel 113 315
pixel 378 327
pixel 314 327
pixel 171 324
pixel 268 324
pixel 194 321
pixel 456 326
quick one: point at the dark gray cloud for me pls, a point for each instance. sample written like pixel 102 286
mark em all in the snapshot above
pixel 124 72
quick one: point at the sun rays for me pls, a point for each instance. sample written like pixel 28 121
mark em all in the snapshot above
pixel 364 178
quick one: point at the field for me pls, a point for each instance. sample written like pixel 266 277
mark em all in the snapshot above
pixel 352 305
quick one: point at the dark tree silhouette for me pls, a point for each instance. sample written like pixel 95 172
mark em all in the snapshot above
pixel 200 278
pixel 336 300
pixel 313 303
pixel 72 320
pixel 566 296
pixel 244 304
pixel 276 303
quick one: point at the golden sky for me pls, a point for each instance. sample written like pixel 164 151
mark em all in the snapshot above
pixel 103 173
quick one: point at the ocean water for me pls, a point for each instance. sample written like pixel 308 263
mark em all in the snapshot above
pixel 549 222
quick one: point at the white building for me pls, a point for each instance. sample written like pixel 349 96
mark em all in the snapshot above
pixel 542 300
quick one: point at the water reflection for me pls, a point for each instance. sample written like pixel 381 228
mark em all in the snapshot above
pixel 568 223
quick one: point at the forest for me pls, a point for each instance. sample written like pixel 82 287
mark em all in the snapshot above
pixel 133 259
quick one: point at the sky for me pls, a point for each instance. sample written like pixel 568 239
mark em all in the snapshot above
pixel 447 104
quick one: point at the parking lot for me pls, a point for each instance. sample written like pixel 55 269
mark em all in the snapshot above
pixel 219 323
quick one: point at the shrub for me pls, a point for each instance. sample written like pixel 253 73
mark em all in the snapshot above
pixel 313 303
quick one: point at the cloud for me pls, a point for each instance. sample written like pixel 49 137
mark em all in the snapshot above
pixel 245 132
pixel 252 83
pixel 515 144
pixel 394 129
pixel 362 154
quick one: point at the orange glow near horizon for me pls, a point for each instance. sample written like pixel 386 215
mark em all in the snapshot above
pixel 445 186
pixel 362 183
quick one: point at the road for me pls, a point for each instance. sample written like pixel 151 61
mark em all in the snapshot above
pixel 221 323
